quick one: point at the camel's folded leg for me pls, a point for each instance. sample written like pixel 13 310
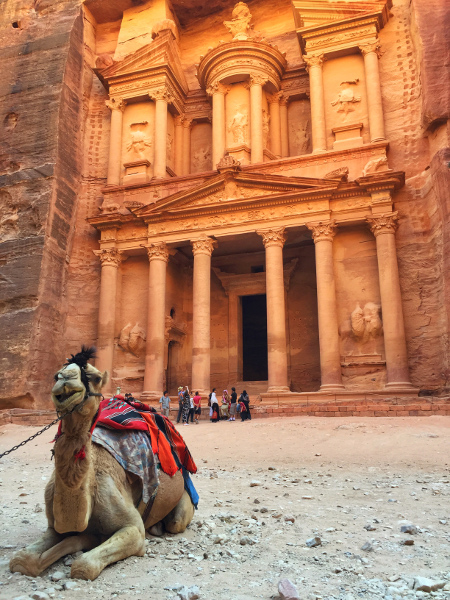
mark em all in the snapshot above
pixel 125 542
pixel 35 558
pixel 180 517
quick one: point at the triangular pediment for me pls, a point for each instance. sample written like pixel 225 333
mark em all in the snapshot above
pixel 312 13
pixel 162 52
pixel 234 189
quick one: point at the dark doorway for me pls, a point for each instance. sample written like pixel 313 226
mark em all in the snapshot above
pixel 254 338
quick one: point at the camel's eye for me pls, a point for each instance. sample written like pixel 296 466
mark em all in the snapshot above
pixel 96 379
pixel 56 377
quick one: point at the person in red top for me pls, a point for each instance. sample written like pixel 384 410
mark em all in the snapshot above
pixel 197 399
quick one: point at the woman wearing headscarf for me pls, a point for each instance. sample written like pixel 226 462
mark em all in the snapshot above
pixel 214 407
pixel 224 408
pixel 245 401
pixel 186 407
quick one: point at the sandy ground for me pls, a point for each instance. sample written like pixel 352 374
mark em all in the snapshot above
pixel 322 477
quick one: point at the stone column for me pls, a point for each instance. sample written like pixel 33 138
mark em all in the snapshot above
pixel 116 106
pixel 162 98
pixel 273 240
pixel 201 314
pixel 256 118
pixel 187 124
pixel 178 120
pixel 275 123
pixel 284 127
pixel 383 227
pixel 374 101
pixel 218 92
pixel 330 355
pixel 319 136
pixel 110 259
pixel 158 257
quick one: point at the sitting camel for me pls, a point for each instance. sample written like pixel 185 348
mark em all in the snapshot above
pixel 91 503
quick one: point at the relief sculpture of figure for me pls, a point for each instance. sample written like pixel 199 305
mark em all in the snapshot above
pixel 366 322
pixel 266 120
pixel 346 98
pixel 238 127
pixel 202 160
pixel 239 26
pixel 138 141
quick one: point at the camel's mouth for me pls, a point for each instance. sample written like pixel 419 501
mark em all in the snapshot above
pixel 63 397
pixel 65 400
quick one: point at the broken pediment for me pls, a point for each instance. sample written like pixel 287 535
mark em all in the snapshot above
pixel 161 53
pixel 312 13
pixel 235 188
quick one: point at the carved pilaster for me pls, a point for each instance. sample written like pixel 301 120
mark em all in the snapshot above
pixel 323 230
pixel 373 46
pixel 386 223
pixel 157 251
pixel 273 237
pixel 218 88
pixel 203 245
pixel 313 61
pixel 115 104
pixel 110 257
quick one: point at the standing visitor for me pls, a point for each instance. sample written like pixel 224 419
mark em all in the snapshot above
pixel 191 409
pixel 212 398
pixel 215 415
pixel 197 406
pixel 224 412
pixel 165 404
pixel 180 403
pixel 186 407
pixel 245 406
pixel 233 403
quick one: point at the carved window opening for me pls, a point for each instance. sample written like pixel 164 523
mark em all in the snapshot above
pixel 172 313
pixel 16 24
pixel 257 269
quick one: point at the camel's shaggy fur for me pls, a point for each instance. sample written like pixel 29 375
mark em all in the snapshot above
pixel 90 503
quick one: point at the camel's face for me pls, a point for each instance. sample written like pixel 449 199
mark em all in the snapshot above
pixel 69 389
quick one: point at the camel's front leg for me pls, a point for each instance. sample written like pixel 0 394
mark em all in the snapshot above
pixel 127 541
pixel 36 557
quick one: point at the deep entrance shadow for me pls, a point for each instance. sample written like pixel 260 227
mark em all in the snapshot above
pixel 254 338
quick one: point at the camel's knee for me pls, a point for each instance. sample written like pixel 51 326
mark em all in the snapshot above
pixel 180 517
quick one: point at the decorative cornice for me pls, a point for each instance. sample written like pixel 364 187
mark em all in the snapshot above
pixel 109 257
pixel 157 251
pixel 203 245
pixel 323 230
pixel 273 237
pixel 373 46
pixel 115 104
pixel 313 61
pixel 386 223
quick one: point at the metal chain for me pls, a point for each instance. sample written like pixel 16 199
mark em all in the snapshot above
pixel 60 418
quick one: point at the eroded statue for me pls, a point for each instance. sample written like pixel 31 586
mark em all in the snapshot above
pixel 238 127
pixel 239 26
pixel 92 503
pixel 138 141
pixel 366 322
pixel 132 339
pixel 346 98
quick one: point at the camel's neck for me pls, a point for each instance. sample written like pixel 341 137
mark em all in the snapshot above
pixel 74 473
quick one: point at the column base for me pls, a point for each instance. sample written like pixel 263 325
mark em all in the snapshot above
pixel 378 139
pixel 400 386
pixel 147 396
pixel 319 151
pixel 279 389
pixel 332 387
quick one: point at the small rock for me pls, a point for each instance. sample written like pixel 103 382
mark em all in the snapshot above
pixel 289 519
pixel 246 540
pixel 313 542
pixel 191 593
pixel 71 585
pixel 287 590
pixel 442 521
pixel 422 584
pixel 256 501
pixel 40 596
pixel 57 576
pixel 369 527
pixel 411 529
pixel 271 468
pixel 264 509
pixel 408 543
pixel 367 547
pixel 255 483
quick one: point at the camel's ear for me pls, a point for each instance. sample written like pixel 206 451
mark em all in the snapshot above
pixel 105 378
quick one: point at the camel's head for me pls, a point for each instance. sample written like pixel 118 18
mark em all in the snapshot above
pixel 76 380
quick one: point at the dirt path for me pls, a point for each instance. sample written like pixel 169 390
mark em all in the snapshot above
pixel 315 477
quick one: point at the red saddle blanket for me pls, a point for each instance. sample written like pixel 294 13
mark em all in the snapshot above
pixel 167 443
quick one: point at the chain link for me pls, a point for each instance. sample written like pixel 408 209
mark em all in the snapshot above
pixel 60 418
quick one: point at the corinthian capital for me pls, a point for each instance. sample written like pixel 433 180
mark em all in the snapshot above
pixel 157 251
pixel 115 104
pixel 323 230
pixel 383 224
pixel 161 94
pixel 274 98
pixel 373 46
pixel 217 88
pixel 257 79
pixel 203 245
pixel 313 61
pixel 109 257
pixel 273 237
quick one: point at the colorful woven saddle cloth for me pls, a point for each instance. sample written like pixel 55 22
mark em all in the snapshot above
pixel 143 442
